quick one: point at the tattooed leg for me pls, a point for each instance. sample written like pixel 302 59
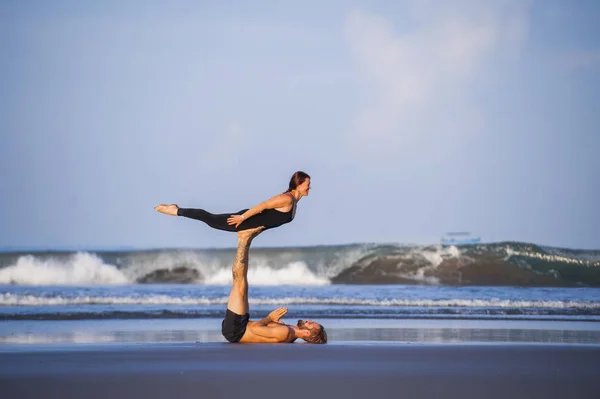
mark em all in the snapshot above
pixel 238 299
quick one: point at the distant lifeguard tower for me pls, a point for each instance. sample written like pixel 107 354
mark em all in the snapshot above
pixel 459 238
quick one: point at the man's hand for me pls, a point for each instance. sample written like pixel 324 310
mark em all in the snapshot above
pixel 277 314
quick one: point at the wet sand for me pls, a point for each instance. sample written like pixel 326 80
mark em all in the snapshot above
pixel 367 358
pixel 354 370
pixel 26 335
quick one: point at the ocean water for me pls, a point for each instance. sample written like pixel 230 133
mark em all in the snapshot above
pixel 365 281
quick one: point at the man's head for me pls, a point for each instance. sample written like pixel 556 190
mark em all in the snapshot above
pixel 312 332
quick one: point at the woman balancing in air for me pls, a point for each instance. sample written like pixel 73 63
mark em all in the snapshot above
pixel 249 223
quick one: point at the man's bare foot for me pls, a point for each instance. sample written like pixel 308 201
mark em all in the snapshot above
pixel 167 209
pixel 249 234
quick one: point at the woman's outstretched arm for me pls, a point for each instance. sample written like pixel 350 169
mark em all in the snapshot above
pixel 278 201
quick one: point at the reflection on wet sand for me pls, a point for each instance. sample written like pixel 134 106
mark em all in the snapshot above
pixel 339 331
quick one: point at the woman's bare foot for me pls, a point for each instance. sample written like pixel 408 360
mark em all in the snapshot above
pixel 167 209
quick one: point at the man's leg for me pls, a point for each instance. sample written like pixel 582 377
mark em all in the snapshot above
pixel 238 299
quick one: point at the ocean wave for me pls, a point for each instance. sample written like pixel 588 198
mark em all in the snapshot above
pixel 77 269
pixel 89 269
pixel 502 264
pixel 295 273
pixel 554 314
pixel 8 299
pixel 498 264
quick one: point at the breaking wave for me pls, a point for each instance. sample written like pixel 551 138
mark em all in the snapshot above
pixel 500 264
pixel 78 269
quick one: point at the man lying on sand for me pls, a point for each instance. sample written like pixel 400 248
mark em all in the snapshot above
pixel 237 327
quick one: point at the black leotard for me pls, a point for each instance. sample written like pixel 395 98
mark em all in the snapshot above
pixel 269 218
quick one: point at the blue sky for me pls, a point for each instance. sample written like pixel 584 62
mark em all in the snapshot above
pixel 413 118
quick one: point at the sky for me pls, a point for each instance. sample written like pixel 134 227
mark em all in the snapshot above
pixel 413 118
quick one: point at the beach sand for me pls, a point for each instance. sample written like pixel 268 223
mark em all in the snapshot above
pixel 121 359
pixel 221 370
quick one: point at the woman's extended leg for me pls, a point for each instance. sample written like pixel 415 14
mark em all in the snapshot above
pixel 215 221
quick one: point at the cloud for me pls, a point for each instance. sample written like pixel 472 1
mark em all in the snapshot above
pixel 418 74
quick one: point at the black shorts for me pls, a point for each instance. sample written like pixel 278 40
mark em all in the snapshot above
pixel 234 326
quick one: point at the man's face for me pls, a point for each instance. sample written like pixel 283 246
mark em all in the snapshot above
pixel 308 325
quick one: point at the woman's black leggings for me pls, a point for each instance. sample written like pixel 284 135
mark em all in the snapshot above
pixel 215 221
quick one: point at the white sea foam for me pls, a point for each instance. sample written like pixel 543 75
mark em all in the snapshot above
pixel 432 257
pixel 143 264
pixel 419 276
pixel 590 261
pixel 33 300
pixel 273 268
pixel 88 269
pixel 295 273
pixel 8 299
pixel 77 269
